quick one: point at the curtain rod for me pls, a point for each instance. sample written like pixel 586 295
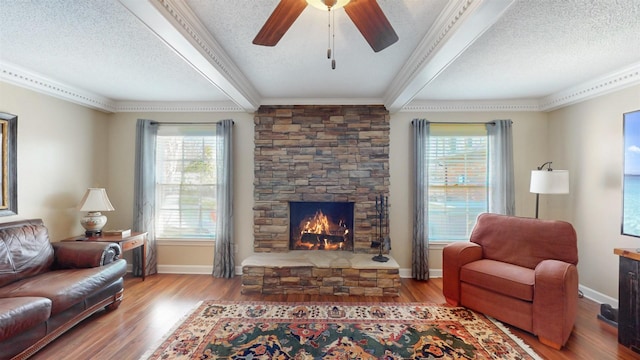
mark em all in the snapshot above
pixel 189 123
pixel 461 122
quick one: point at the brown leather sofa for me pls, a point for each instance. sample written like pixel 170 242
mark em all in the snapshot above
pixel 521 271
pixel 47 288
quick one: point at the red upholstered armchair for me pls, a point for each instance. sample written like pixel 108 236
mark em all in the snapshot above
pixel 521 271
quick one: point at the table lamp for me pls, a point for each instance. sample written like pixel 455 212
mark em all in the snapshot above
pixel 94 201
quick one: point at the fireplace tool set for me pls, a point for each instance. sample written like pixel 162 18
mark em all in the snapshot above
pixel 383 241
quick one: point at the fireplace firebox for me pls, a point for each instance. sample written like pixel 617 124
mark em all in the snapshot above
pixel 321 225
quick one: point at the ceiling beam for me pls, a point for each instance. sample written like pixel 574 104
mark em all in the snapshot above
pixel 458 26
pixel 179 28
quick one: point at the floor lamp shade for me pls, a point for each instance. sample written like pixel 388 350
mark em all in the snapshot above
pixel 549 182
pixel 94 201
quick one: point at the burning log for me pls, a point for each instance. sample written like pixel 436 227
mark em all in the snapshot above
pixel 309 238
pixel 319 232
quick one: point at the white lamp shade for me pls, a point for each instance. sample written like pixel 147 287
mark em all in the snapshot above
pixel 95 199
pixel 320 4
pixel 549 182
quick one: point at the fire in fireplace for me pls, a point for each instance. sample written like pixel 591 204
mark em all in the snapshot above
pixel 321 225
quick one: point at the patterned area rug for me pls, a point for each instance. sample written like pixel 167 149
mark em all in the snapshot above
pixel 264 330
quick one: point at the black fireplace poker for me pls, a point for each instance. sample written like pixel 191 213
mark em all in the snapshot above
pixel 382 211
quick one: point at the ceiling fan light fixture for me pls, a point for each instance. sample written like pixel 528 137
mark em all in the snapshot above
pixel 328 4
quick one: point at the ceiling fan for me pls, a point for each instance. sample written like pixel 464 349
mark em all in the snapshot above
pixel 365 14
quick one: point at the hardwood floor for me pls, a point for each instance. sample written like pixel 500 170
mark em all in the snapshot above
pixel 152 307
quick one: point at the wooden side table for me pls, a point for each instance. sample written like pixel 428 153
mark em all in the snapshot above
pixel 135 240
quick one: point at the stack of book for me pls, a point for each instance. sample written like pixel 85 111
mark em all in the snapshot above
pixel 120 232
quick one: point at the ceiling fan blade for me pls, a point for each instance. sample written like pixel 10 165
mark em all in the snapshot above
pixel 372 23
pixel 279 22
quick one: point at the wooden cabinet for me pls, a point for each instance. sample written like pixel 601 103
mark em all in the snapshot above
pixel 629 299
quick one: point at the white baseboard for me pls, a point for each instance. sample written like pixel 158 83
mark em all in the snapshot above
pixel 185 269
pixel 181 269
pixel 598 297
pixel 405 273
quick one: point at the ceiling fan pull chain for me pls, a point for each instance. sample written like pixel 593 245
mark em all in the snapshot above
pixel 328 33
pixel 333 39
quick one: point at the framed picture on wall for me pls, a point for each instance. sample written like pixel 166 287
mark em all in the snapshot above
pixel 631 175
pixel 8 160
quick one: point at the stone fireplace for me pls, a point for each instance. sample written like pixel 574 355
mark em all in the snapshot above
pixel 319 154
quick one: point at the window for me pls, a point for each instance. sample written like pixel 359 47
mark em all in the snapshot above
pixel 457 184
pixel 186 182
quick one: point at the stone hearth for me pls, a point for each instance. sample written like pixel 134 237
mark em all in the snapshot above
pixel 319 273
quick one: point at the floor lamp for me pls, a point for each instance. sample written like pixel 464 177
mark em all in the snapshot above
pixel 548 181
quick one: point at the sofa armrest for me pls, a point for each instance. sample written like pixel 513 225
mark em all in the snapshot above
pixel 555 301
pixel 75 255
pixel 454 257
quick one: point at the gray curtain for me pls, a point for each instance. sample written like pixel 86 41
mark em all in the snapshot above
pixel 420 260
pixel 223 261
pixel 501 184
pixel 145 193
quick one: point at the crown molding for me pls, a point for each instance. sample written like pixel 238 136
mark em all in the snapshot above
pixel 175 106
pixel 321 101
pixel 18 76
pixel 467 106
pixel 615 81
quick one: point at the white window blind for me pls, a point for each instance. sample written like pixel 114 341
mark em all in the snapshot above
pixel 186 182
pixel 457 190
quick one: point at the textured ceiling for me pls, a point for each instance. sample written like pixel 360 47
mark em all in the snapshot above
pixel 541 47
pixel 98 46
pixel 129 52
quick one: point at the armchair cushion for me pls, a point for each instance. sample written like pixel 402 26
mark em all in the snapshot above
pixel 504 278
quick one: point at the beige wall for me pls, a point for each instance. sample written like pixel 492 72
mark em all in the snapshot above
pixel 586 139
pixel 530 150
pixel 59 146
